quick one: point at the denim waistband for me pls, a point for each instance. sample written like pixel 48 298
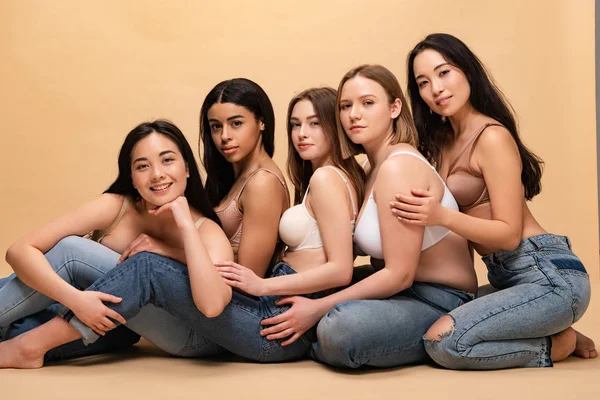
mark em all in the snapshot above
pixel 529 245
pixel 282 268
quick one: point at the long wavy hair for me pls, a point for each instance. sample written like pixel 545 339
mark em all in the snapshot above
pixel 300 171
pixel 194 190
pixel 242 92
pixel 485 97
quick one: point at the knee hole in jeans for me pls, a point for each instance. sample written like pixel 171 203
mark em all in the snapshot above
pixel 441 328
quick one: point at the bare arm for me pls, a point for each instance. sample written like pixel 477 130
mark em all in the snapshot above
pixel 262 202
pixel 331 205
pixel 26 256
pixel 211 294
pixel 398 174
pixel 497 157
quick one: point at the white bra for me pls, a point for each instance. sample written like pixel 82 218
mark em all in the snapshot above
pixel 299 230
pixel 368 236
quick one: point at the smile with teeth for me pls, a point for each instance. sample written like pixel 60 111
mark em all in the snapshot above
pixel 159 188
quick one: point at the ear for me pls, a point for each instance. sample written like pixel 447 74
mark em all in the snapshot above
pixel 261 125
pixel 396 108
pixel 187 170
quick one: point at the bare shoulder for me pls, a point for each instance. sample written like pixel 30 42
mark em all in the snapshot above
pixel 112 200
pixel 324 179
pixel 263 183
pixel 404 164
pixel 494 138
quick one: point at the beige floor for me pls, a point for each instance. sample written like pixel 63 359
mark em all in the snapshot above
pixel 146 373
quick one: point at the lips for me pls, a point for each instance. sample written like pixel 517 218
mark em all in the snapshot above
pixel 229 149
pixel 303 146
pixel 443 101
pixel 161 188
pixel 356 128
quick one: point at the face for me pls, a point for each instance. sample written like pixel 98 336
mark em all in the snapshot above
pixel 443 87
pixel 365 110
pixel 307 134
pixel 158 170
pixel 235 130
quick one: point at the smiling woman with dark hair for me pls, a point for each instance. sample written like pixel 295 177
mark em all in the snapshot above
pixel 467 128
pixel 159 192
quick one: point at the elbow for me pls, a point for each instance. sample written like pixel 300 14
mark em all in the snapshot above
pixel 345 277
pixel 512 242
pixel 216 307
pixel 401 282
pixel 12 254
pixel 212 310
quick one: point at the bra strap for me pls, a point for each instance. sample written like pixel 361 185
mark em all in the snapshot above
pixel 97 236
pixel 347 186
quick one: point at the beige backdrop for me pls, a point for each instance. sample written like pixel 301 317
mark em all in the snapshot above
pixel 77 76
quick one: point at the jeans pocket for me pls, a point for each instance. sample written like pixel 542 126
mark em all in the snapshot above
pixel 518 265
pixel 579 282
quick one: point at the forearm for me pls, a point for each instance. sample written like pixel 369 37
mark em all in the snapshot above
pixel 211 294
pixel 32 267
pixel 489 233
pixel 380 285
pixel 326 276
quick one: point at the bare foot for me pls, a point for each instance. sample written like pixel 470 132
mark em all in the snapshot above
pixel 15 353
pixel 585 347
pixel 563 344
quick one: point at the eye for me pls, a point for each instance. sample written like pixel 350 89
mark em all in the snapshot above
pixel 368 102
pixel 422 84
pixel 314 123
pixel 444 72
pixel 294 125
pixel 236 124
pixel 215 127
pixel 140 167
pixel 344 106
pixel 168 160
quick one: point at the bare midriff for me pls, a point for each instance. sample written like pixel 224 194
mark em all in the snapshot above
pixel 530 226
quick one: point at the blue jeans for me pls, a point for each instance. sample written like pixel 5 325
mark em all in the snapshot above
pixel 543 288
pixel 80 262
pixel 384 333
pixel 117 339
pixel 148 278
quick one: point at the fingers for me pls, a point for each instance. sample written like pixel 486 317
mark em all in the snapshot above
pixel 229 276
pixel 109 297
pixel 228 263
pixel 421 193
pixel 160 210
pixel 99 331
pixel 115 315
pixel 291 340
pixel 229 270
pixel 281 335
pixel 108 324
pixel 411 200
pixel 416 222
pixel 128 251
pixel 404 207
pixel 275 329
pixel 234 284
pixel 275 320
pixel 286 300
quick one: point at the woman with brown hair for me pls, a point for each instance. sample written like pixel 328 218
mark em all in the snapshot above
pixel 420 275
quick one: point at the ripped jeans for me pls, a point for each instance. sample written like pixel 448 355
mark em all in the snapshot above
pixel 543 288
